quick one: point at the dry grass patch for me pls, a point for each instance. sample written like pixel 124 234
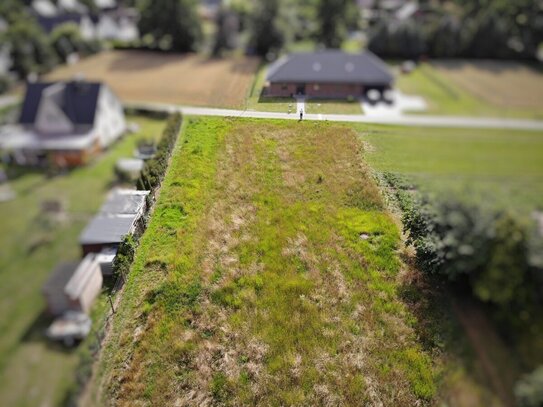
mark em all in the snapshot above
pixel 504 84
pixel 271 295
pixel 146 76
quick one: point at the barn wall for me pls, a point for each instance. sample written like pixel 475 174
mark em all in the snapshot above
pixel 317 90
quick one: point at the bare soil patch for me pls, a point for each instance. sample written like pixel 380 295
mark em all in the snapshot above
pixel 168 78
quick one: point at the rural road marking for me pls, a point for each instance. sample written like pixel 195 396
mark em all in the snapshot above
pixel 399 120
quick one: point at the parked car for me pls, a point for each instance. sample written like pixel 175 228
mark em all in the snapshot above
pixel 69 328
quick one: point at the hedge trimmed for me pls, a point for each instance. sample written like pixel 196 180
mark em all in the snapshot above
pixel 155 168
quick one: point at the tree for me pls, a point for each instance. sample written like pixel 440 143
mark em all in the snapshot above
pixel 31 51
pixel 170 24
pixel 333 18
pixel 227 31
pixel 66 39
pixel 266 34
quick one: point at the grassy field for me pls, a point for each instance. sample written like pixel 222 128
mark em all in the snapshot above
pixel 472 89
pixel 32 371
pixel 268 275
pixel 182 79
pixel 323 106
pixel 496 167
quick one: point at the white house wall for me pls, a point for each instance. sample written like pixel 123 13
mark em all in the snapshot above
pixel 109 123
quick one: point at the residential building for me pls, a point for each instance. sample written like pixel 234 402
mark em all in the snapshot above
pixel 64 124
pixel 327 74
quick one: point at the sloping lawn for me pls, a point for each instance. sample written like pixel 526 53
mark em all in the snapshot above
pixel 32 371
pixel 268 275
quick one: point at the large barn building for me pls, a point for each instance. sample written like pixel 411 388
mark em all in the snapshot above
pixel 332 74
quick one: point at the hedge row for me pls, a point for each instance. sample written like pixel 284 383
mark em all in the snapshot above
pixel 150 179
pixel 493 252
pixel 155 168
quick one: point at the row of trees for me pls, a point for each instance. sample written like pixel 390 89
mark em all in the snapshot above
pixel 471 29
pixel 32 50
pixel 174 24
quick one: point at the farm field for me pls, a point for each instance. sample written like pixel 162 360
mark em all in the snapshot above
pixel 497 167
pixel 268 273
pixel 493 89
pixel 34 372
pixel 139 76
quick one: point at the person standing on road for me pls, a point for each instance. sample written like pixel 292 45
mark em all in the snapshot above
pixel 301 114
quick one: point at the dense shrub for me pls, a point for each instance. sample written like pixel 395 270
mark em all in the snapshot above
pixel 155 168
pixel 487 250
pixel 124 257
pixel 66 40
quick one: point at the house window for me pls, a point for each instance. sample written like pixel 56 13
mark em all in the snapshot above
pixel 316 87
pixel 284 87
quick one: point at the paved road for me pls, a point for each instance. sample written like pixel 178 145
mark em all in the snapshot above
pixel 400 120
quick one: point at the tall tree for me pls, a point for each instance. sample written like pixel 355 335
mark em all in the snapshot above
pixel 334 18
pixel 227 31
pixel 266 33
pixel 31 51
pixel 171 24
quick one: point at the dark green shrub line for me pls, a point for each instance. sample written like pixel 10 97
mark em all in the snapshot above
pixel 489 251
pixel 155 168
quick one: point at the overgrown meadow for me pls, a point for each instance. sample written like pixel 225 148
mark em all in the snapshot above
pixel 268 274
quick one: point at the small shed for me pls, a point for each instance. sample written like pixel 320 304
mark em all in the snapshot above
pixel 73 286
pixel 107 231
pixel 117 218
pixel 105 260
pixel 129 168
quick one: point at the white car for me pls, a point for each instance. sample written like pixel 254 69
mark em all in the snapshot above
pixel 70 327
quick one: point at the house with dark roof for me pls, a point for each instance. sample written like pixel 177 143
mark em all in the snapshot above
pixel 64 124
pixel 327 74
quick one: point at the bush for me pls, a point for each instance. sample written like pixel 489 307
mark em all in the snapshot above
pixel 155 168
pixel 488 251
pixel 529 389
pixel 124 257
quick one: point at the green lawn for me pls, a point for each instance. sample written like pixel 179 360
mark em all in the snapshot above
pixel 446 98
pixel 498 167
pixel 268 275
pixel 32 372
pixel 323 106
